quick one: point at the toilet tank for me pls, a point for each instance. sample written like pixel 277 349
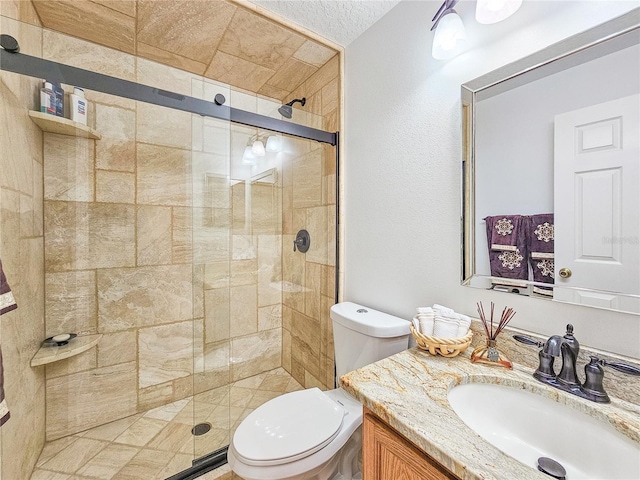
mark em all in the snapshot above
pixel 362 335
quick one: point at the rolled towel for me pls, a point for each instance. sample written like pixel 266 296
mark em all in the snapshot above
pixel 442 309
pixel 446 327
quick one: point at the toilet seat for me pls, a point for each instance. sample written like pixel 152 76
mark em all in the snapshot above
pixel 288 428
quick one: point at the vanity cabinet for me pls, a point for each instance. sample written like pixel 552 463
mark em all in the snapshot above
pixel 386 455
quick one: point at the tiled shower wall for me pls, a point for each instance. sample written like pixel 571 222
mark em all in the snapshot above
pixel 148 243
pixel 21 252
pixel 309 201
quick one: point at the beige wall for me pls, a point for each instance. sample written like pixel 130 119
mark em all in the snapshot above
pixel 21 251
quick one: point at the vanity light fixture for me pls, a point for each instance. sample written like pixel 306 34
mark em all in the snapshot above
pixel 449 32
pixel 494 11
pixel 258 146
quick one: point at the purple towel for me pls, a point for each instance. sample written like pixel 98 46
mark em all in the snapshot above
pixel 507 241
pixel 541 253
pixel 7 303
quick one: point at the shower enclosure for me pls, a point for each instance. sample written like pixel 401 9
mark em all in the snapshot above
pixel 162 234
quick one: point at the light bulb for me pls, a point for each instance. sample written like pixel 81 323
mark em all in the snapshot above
pixel 494 11
pixel 450 33
pixel 274 144
pixel 248 158
pixel 258 149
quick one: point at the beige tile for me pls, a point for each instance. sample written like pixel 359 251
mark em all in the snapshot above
pixel 330 96
pixel 95 397
pixel 307 331
pixel 274 92
pixel 307 180
pixel 81 236
pixel 163 176
pixel 255 353
pixel 321 226
pixel 89 56
pixel 109 431
pixel 115 348
pixel 270 317
pixel 161 76
pixel 153 238
pixel 167 412
pixel 243 308
pixel 117 148
pixel 169 58
pixel 327 287
pixel 258 40
pixel 292 74
pixel 314 53
pixel 269 270
pixel 68 168
pixel 313 280
pixel 323 76
pixel 165 353
pixel 21 11
pixel 265 206
pixel 216 275
pixel 99 24
pixel 108 462
pixel 243 272
pixel 70 302
pixel 143 296
pixel 217 314
pixel 147 464
pixel 128 7
pixel 156 396
pixel 115 187
pixel 141 432
pixel 172 437
pixel 238 72
pixel 198 291
pixel 275 383
pixel 51 449
pixel 75 455
pixel 163 126
pixel 191 29
pixel 182 250
pixel 286 349
pixel 47 474
pixel 244 247
pixel 78 363
pixel 180 462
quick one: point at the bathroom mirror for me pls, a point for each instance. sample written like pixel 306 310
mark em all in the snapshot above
pixel 551 163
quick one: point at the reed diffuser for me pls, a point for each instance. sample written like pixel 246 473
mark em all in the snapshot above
pixel 489 353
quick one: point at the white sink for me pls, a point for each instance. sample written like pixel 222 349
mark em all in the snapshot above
pixel 527 426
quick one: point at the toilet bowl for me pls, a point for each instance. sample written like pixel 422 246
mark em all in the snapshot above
pixel 311 434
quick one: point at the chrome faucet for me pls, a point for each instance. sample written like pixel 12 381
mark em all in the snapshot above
pixel 567 380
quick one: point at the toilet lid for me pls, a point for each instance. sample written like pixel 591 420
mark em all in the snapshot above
pixel 288 427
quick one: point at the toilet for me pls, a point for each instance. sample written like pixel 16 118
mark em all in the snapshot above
pixel 311 434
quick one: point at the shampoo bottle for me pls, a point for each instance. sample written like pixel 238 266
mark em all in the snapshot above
pixel 47 99
pixel 78 105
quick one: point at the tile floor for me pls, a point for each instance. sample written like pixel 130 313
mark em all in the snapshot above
pixel 159 443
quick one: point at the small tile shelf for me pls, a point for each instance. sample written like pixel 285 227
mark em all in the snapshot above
pixel 50 354
pixel 62 126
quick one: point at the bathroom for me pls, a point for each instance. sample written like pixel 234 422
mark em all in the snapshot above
pixel 400 152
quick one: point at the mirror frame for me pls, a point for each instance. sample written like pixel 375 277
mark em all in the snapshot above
pixel 616 34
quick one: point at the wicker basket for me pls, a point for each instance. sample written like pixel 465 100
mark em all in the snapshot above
pixel 447 347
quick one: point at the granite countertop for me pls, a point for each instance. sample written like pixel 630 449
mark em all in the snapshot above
pixel 409 392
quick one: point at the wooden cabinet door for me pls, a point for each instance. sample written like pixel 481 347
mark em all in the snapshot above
pixel 386 455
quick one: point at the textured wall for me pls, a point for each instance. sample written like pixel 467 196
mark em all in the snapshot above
pixel 403 167
pixel 21 251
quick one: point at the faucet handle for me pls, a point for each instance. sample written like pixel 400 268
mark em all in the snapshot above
pixel 621 367
pixel 528 340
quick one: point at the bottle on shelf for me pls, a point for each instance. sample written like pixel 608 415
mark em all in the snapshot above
pixel 78 106
pixel 47 99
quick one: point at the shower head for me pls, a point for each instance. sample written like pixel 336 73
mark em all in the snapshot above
pixel 287 110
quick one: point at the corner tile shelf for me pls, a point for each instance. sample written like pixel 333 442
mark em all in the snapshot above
pixel 62 126
pixel 50 354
